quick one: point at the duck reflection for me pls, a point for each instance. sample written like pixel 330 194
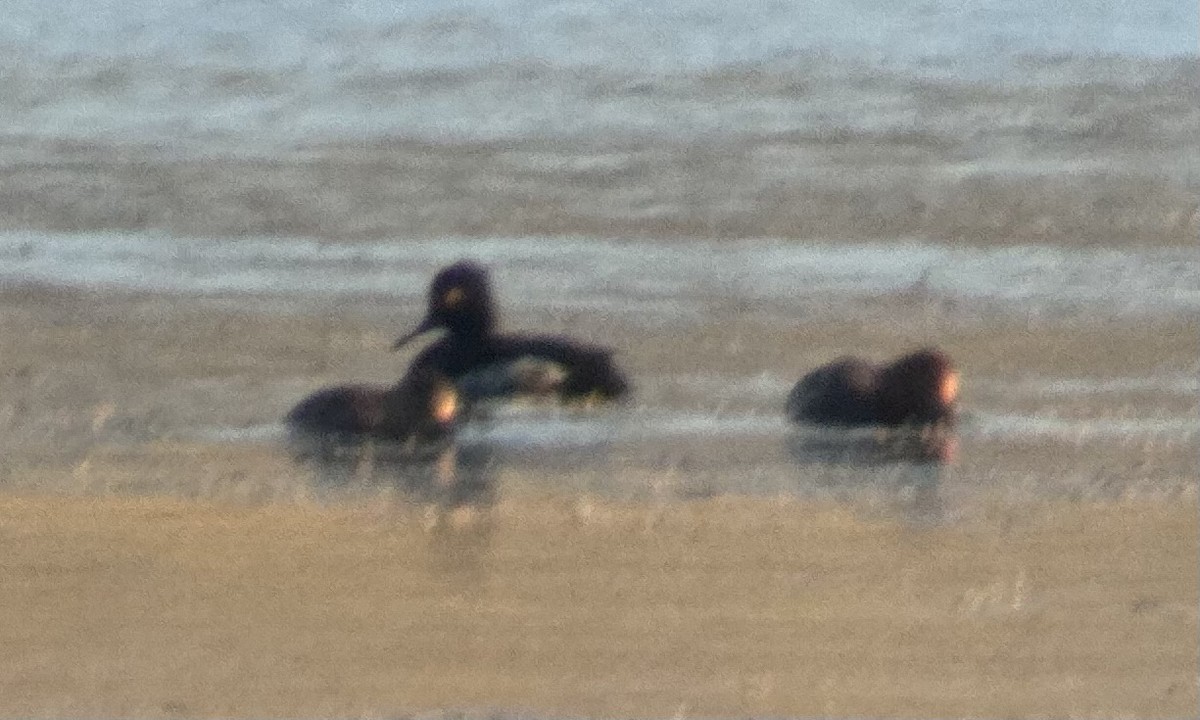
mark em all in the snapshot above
pixel 935 446
pixel 448 480
pixel 908 465
pixel 460 527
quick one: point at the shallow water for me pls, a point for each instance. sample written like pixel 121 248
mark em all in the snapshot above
pixel 680 311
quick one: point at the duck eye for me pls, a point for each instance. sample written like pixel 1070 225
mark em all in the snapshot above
pixel 453 297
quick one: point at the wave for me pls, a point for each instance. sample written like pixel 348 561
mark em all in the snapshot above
pixel 637 279
pixel 503 119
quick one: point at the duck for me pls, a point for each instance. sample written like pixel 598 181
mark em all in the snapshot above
pixel 919 389
pixel 415 418
pixel 486 364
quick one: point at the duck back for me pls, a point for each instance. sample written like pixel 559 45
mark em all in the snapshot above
pixel 840 393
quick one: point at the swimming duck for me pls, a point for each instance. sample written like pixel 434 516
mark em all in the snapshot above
pixel 415 417
pixel 919 388
pixel 485 363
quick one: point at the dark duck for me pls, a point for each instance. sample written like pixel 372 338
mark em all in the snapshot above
pixel 918 390
pixel 486 364
pixel 414 418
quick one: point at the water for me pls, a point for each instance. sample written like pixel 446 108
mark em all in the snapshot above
pixel 642 281
pixel 291 71
pixel 705 176
pixel 1034 122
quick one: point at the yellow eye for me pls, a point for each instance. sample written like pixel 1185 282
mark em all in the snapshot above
pixel 453 297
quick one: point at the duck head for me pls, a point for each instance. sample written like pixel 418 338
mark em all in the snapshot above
pixel 922 386
pixel 460 302
pixel 424 404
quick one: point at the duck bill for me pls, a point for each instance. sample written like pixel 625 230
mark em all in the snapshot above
pixel 426 325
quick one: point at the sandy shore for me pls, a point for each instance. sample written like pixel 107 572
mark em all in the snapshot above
pixel 576 607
